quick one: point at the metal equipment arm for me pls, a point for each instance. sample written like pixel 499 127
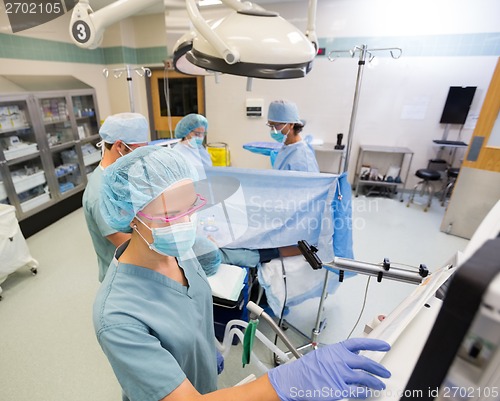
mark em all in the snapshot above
pixel 87 26
pixel 380 271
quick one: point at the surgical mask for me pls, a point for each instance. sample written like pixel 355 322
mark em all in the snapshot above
pixel 174 240
pixel 196 142
pixel 278 136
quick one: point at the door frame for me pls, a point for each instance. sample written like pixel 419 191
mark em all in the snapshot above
pixel 159 123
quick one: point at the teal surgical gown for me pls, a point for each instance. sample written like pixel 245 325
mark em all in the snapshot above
pixel 156 332
pixel 97 227
pixel 198 157
pixel 297 156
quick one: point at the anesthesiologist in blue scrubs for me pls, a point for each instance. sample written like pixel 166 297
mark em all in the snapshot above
pixel 295 154
pixel 192 129
pixel 153 312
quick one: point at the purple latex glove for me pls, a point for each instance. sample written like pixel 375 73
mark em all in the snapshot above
pixel 333 372
pixel 220 363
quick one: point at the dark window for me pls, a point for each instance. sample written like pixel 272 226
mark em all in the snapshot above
pixel 183 96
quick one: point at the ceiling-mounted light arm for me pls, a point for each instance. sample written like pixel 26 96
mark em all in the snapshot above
pixel 311 24
pixel 87 27
pixel 238 5
pixel 229 55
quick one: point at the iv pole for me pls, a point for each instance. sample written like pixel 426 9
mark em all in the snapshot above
pixel 117 73
pixel 363 52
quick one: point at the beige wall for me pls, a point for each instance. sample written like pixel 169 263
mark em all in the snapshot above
pixel 112 93
pixel 324 97
pixel 88 73
pixel 149 30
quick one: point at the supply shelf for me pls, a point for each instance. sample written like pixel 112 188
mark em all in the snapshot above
pixel 36 130
pixel 382 170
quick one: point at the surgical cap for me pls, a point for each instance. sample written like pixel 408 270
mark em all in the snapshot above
pixel 134 180
pixel 281 111
pixel 190 123
pixel 127 127
pixel 208 255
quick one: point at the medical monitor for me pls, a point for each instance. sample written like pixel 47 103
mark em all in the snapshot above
pixel 457 104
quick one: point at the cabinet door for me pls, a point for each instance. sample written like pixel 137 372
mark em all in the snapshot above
pixel 59 136
pixel 23 182
pixel 86 117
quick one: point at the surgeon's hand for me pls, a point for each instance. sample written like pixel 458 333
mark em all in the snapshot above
pixel 333 372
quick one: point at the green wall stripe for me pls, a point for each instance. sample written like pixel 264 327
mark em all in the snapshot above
pixel 474 44
pixel 25 48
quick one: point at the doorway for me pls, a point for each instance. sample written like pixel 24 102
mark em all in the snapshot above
pixel 186 95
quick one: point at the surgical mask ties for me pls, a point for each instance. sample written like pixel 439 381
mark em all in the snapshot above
pixel 174 240
pixel 128 147
pixel 100 144
pixel 278 136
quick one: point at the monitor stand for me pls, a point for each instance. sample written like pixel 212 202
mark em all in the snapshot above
pixel 446 132
pixel 445 138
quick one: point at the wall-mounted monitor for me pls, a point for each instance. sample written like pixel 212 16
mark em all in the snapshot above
pixel 457 104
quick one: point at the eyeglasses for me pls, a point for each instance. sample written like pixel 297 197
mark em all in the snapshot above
pixel 275 125
pixel 198 204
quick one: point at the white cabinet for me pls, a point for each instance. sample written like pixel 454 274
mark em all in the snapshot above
pixel 47 147
pixel 14 251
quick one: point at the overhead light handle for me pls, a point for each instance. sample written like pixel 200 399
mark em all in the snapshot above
pixel 229 55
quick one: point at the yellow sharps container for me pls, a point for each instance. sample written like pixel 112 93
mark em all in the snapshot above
pixel 219 153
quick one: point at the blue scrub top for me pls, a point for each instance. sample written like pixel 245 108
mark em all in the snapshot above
pixel 297 156
pixel 198 157
pixel 155 331
pixel 98 228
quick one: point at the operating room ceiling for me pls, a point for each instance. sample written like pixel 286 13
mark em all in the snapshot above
pixel 158 8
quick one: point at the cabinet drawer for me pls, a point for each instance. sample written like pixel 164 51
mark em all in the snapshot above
pixel 35 202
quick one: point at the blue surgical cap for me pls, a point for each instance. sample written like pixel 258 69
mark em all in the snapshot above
pixel 190 123
pixel 208 255
pixel 127 127
pixel 281 111
pixel 134 180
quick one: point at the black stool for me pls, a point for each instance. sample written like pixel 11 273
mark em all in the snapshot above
pixel 427 176
pixel 452 175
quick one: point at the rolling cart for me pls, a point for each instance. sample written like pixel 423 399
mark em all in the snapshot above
pixel 14 252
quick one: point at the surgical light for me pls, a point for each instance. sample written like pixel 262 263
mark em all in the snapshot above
pixel 180 62
pixel 250 41
pixel 204 3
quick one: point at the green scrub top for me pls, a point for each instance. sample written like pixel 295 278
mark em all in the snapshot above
pixel 97 227
pixel 155 331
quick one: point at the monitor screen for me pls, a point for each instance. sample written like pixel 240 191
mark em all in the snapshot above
pixel 457 104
